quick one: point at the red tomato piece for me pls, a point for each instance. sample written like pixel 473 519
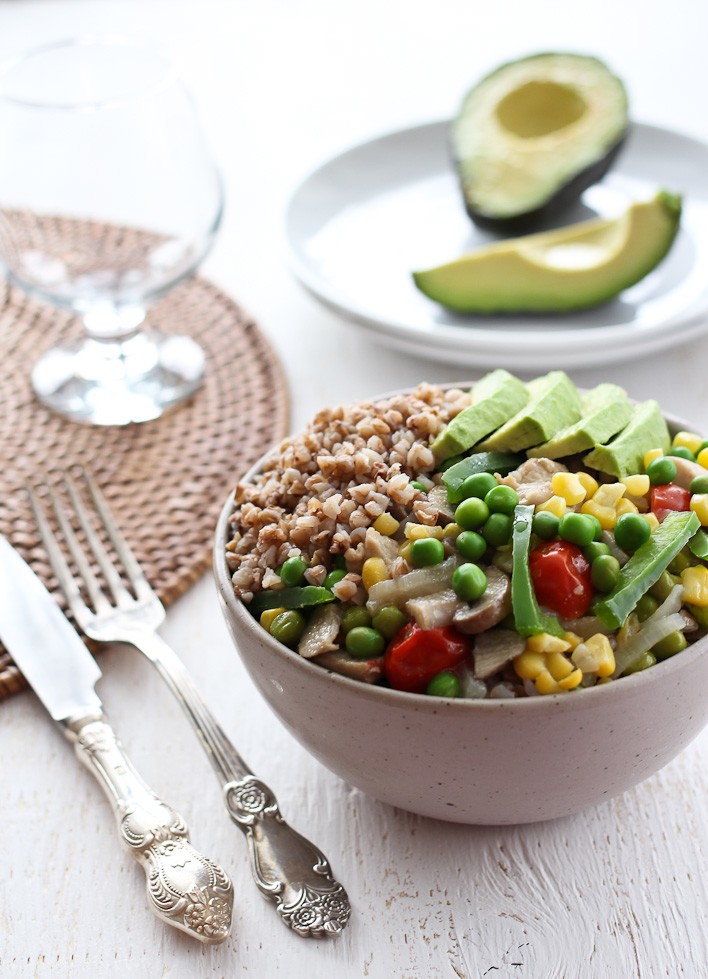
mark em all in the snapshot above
pixel 670 496
pixel 560 573
pixel 414 655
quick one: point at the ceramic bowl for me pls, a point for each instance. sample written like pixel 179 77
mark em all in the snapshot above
pixel 475 761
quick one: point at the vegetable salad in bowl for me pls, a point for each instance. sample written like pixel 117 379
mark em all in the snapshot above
pixel 505 541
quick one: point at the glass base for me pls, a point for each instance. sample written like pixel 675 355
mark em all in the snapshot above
pixel 116 383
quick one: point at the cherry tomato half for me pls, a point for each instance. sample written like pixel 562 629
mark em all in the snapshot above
pixel 560 573
pixel 668 497
pixel 414 655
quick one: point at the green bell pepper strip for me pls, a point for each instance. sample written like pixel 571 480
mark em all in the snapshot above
pixel 300 596
pixel 529 620
pixel 479 462
pixel 646 566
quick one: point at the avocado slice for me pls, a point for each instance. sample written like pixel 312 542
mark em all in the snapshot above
pixel 554 403
pixel 497 396
pixel 624 455
pixel 532 135
pixel 606 410
pixel 572 268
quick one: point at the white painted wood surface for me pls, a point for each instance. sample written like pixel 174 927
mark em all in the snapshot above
pixel 618 891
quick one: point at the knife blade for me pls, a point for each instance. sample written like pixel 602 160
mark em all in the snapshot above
pixel 184 887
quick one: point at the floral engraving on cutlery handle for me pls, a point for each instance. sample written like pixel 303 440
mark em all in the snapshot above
pixel 287 868
pixel 185 888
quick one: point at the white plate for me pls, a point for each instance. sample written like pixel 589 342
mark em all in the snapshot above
pixel 358 226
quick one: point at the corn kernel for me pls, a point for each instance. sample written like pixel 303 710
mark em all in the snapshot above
pixel 588 482
pixel 607 515
pixel 267 616
pixel 451 530
pixel 569 487
pixel 373 571
pixel 652 520
pixel 572 639
pixel 702 458
pixel 386 524
pixel 544 642
pixel 529 665
pixel 689 440
pixel 556 505
pixel 695 586
pixel 625 506
pixel 595 655
pixel 405 550
pixel 417 531
pixel 558 666
pixel 546 684
pixel 571 681
pixel 651 455
pixel 609 494
pixel 699 505
pixel 637 485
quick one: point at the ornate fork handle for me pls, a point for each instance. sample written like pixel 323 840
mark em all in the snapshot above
pixel 287 868
pixel 184 888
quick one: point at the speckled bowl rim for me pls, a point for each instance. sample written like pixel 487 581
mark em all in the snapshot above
pixel 630 685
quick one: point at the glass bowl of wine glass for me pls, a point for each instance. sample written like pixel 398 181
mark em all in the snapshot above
pixel 109 198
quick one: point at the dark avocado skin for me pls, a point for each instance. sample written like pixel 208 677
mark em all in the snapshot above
pixel 564 197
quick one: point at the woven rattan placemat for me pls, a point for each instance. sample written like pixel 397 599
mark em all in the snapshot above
pixel 165 480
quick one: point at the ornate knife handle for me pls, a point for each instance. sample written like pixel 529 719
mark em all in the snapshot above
pixel 184 888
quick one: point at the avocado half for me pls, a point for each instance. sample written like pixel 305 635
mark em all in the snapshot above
pixel 531 136
pixel 574 267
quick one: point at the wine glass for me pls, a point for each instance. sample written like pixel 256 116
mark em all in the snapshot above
pixel 108 199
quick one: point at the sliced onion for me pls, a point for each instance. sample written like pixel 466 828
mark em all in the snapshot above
pixel 652 632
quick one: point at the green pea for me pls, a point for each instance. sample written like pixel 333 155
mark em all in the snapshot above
pixel 604 572
pixel 681 452
pixel 663 586
pixel 363 642
pixel 444 684
pixel 597 525
pixel 471 513
pixel 680 563
pixel 702 446
pixel 477 485
pixel 471 545
pixel 699 484
pixel 427 551
pixel 469 582
pixel 643 663
pixel 670 645
pixel 293 571
pixel 631 531
pixel 497 529
pixel 288 626
pixel 502 499
pixel 646 606
pixel 355 616
pixel 594 549
pixel 661 471
pixel 333 577
pixel 576 528
pixel 418 486
pixel 545 525
pixel 699 613
pixel 389 620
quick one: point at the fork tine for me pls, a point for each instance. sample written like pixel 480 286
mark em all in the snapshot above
pixel 132 568
pixel 66 579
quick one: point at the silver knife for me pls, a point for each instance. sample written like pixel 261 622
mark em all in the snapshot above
pixel 184 888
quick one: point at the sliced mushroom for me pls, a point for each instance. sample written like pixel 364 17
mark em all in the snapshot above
pixel 436 610
pixel 687 470
pixel 421 581
pixel 378 545
pixel 320 635
pixel 490 609
pixel 437 495
pixel 532 480
pixel 493 650
pixel 366 670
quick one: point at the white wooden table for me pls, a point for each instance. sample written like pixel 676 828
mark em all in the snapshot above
pixel 618 891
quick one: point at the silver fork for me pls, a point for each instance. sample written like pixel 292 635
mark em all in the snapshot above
pixel 287 868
